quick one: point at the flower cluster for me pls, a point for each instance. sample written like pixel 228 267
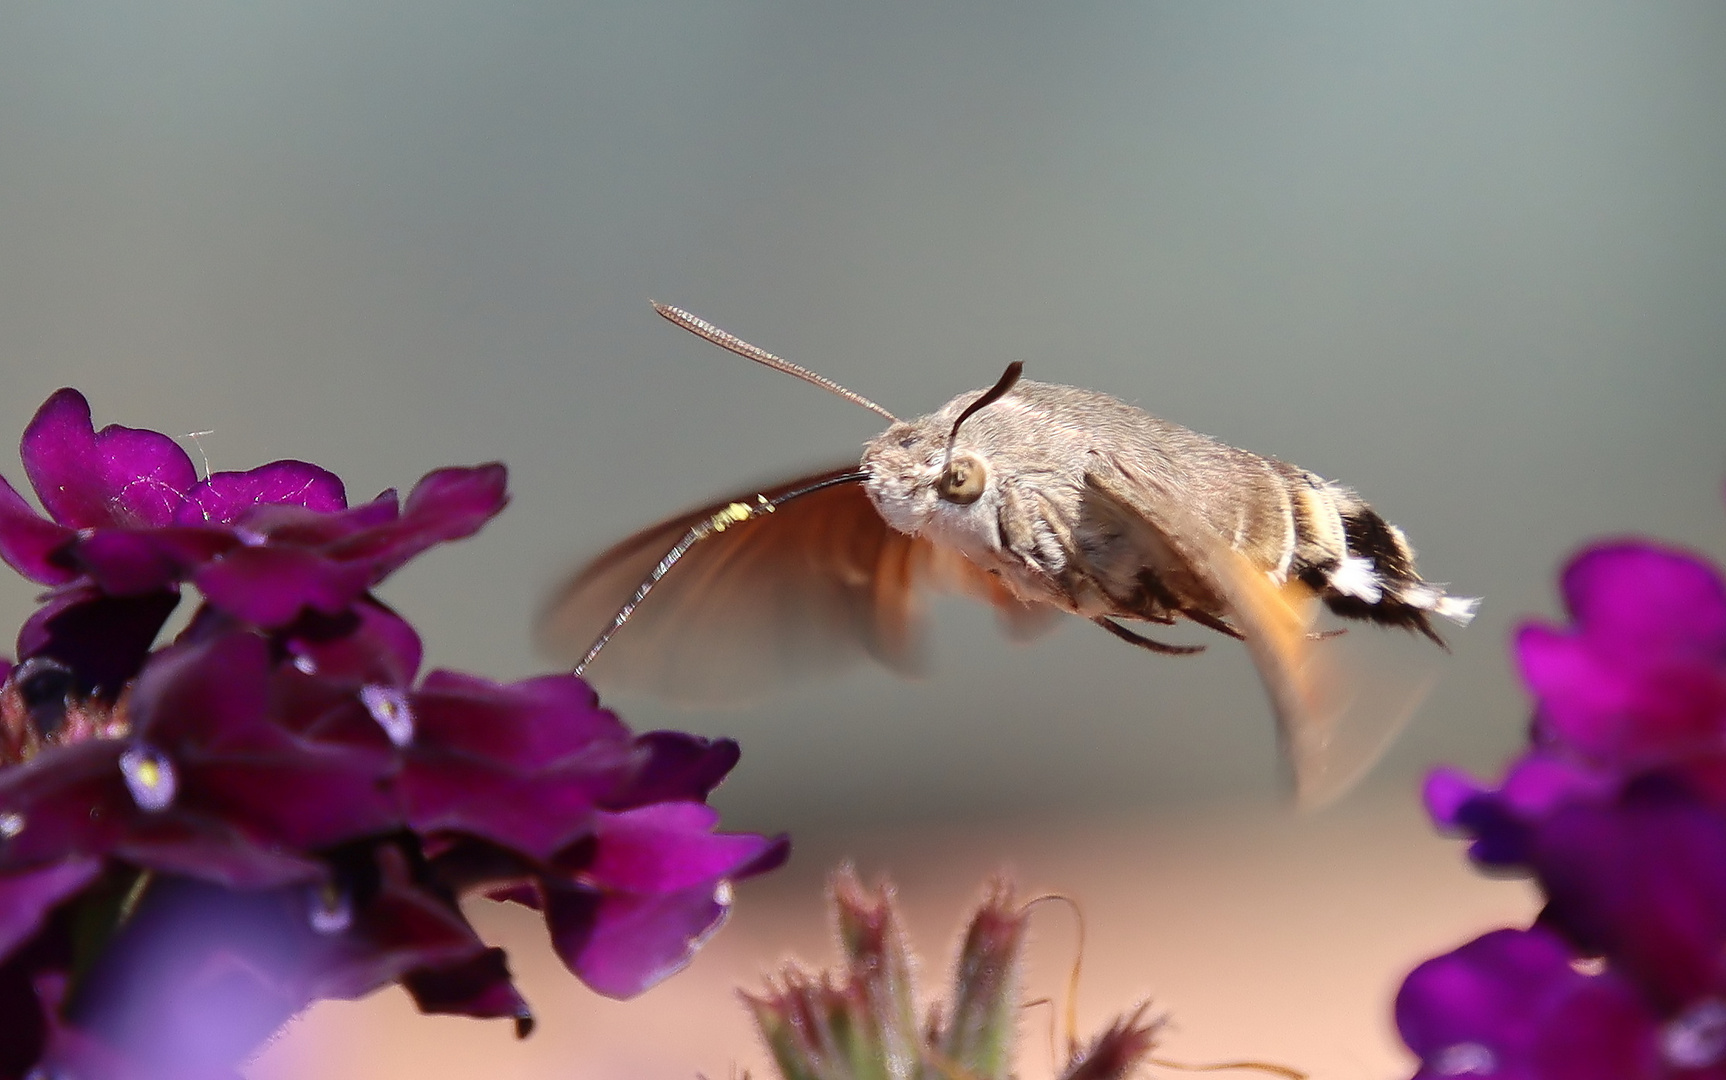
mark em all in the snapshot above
pixel 199 838
pixel 1618 810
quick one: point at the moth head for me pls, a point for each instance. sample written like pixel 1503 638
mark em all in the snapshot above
pixel 918 472
pixel 903 465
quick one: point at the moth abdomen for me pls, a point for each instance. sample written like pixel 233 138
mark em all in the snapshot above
pixel 1361 565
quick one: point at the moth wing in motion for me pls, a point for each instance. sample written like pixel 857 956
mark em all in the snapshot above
pixel 1331 732
pixel 819 583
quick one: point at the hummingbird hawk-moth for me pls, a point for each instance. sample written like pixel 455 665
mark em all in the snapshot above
pixel 1038 499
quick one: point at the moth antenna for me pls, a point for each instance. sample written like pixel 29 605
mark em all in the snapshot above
pixel 1006 382
pixel 995 393
pixel 702 328
pixel 735 514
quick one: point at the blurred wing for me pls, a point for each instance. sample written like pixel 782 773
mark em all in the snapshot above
pixel 816 585
pixel 1331 735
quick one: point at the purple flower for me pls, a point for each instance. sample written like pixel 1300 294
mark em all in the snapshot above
pixel 1512 1004
pixel 1618 810
pixel 1640 679
pixel 129 522
pixel 275 807
pixel 1643 881
pixel 657 883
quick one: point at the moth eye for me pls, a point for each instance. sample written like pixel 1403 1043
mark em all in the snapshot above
pixel 963 480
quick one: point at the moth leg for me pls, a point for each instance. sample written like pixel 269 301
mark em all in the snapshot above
pixel 1326 635
pixel 1205 618
pixel 1143 642
pixel 1030 532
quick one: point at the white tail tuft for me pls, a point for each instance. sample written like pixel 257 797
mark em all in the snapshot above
pixel 1357 577
pixel 1458 609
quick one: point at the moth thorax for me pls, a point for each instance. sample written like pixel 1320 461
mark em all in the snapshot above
pixel 963 480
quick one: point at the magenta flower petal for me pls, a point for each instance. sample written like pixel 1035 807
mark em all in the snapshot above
pixel 623 944
pixel 199 975
pixel 74 801
pixel 404 927
pixel 1481 1009
pixel 225 497
pixel 102 639
pixel 523 725
pixel 238 797
pixel 668 847
pixel 296 526
pixel 535 814
pixel 458 500
pixel 677 767
pixel 270 586
pixel 1446 792
pixel 67 802
pixel 208 695
pixel 210 700
pixel 525 893
pixel 658 885
pixel 26 898
pixel 302 798
pixel 29 542
pixel 382 510
pixel 333 664
pixel 1625 708
pixel 126 563
pixel 447 504
pixel 1541 783
pixel 327 714
pixel 1644 882
pixel 479 987
pixel 120 476
pixel 1511 1005
pixel 1640 599
pixel 524 765
pixel 1602 1030
pixel 211 850
pixel 369 644
pixel 1642 677
pixel 129 562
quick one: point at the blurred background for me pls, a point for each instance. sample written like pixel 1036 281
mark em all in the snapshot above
pixel 1469 258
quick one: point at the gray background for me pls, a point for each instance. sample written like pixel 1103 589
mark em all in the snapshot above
pixel 1469 258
